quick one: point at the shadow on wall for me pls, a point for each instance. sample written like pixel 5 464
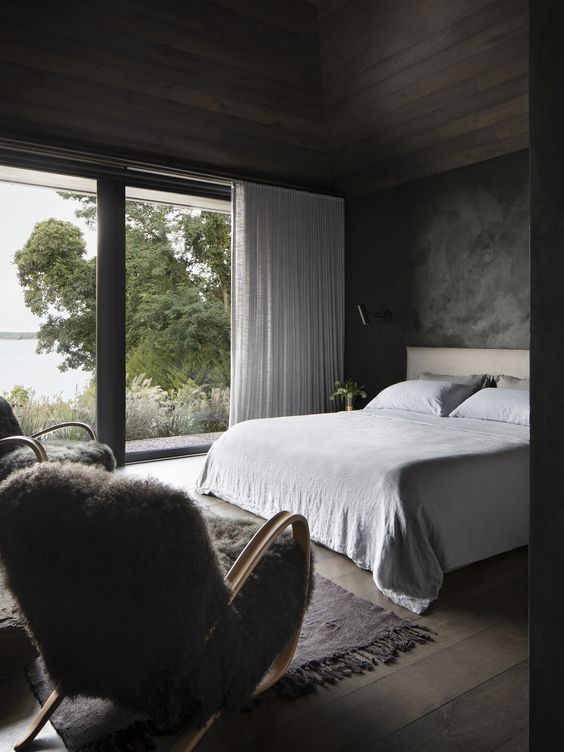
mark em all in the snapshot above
pixel 375 274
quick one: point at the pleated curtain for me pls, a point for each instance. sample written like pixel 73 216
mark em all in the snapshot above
pixel 287 301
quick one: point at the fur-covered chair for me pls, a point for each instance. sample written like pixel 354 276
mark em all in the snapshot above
pixel 14 447
pixel 124 588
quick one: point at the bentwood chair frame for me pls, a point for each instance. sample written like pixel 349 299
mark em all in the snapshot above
pixel 234 579
pixel 66 424
pixel 37 447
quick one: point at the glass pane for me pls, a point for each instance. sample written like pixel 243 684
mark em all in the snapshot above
pixel 178 324
pixel 47 299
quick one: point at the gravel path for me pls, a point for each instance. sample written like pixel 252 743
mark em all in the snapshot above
pixel 171 442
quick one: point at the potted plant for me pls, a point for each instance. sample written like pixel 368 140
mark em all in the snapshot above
pixel 348 390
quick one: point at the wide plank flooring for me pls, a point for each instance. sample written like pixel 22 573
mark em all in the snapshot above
pixel 464 692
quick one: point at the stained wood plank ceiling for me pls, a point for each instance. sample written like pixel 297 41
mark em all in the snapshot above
pixel 231 86
pixel 418 87
pixel 349 95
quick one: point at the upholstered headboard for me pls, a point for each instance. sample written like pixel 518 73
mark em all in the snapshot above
pixel 458 361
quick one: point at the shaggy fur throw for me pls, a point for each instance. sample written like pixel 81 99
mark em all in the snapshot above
pixel 9 425
pixel 86 452
pixel 13 457
pixel 121 583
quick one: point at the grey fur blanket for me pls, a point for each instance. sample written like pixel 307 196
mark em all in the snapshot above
pixel 85 452
pixel 9 425
pixel 121 581
pixel 342 635
pixel 14 457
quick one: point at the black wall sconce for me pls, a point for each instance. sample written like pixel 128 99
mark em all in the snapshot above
pixel 385 315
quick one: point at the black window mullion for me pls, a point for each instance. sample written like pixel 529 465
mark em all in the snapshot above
pixel 110 316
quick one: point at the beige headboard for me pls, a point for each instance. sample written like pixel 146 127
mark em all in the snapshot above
pixel 459 361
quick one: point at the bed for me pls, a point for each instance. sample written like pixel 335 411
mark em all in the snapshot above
pixel 405 495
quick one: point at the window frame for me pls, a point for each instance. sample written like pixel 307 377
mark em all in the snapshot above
pixel 112 182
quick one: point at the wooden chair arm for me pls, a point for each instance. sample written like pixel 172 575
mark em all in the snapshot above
pixel 261 541
pixel 68 424
pixel 38 449
pixel 247 562
pixel 51 704
pixel 235 579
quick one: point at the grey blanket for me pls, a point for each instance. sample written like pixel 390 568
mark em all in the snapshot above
pixel 406 496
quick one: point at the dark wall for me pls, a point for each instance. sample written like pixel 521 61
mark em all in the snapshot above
pixel 547 380
pixel 219 85
pixel 449 256
pixel 468 256
pixel 375 275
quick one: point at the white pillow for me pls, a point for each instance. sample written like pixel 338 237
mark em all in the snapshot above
pixel 504 405
pixel 419 396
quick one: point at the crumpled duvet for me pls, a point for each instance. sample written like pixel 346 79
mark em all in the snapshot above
pixel 405 495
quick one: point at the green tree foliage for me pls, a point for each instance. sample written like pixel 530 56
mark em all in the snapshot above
pixel 59 283
pixel 207 253
pixel 177 292
pixel 180 336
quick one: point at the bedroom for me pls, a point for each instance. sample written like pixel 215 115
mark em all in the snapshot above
pixel 297 95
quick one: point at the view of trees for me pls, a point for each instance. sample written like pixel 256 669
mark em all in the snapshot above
pixel 177 295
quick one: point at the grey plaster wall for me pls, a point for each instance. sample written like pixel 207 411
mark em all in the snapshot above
pixel 468 256
pixel 449 256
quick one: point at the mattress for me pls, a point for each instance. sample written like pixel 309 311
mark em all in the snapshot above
pixel 406 496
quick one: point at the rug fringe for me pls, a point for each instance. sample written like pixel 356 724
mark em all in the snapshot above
pixel 296 683
pixel 383 649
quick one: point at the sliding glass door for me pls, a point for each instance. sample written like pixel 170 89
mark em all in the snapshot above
pixel 48 298
pixel 115 303
pixel 178 284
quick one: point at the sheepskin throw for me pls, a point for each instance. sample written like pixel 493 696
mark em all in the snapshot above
pixel 120 585
pixel 9 425
pixel 85 452
pixel 14 457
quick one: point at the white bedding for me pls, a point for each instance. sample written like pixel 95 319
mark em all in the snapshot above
pixel 404 495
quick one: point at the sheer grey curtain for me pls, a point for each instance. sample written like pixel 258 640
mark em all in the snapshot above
pixel 287 301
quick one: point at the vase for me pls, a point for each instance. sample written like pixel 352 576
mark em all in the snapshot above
pixel 349 403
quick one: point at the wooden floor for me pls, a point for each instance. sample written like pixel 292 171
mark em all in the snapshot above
pixel 464 692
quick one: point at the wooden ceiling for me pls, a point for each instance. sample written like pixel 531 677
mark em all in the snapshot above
pixel 350 95
pixel 227 86
pixel 418 87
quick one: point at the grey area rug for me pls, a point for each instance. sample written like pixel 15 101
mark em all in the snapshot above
pixel 342 635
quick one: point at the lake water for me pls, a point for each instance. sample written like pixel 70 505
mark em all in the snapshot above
pixel 21 365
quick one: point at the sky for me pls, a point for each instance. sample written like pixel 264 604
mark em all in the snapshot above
pixel 21 207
